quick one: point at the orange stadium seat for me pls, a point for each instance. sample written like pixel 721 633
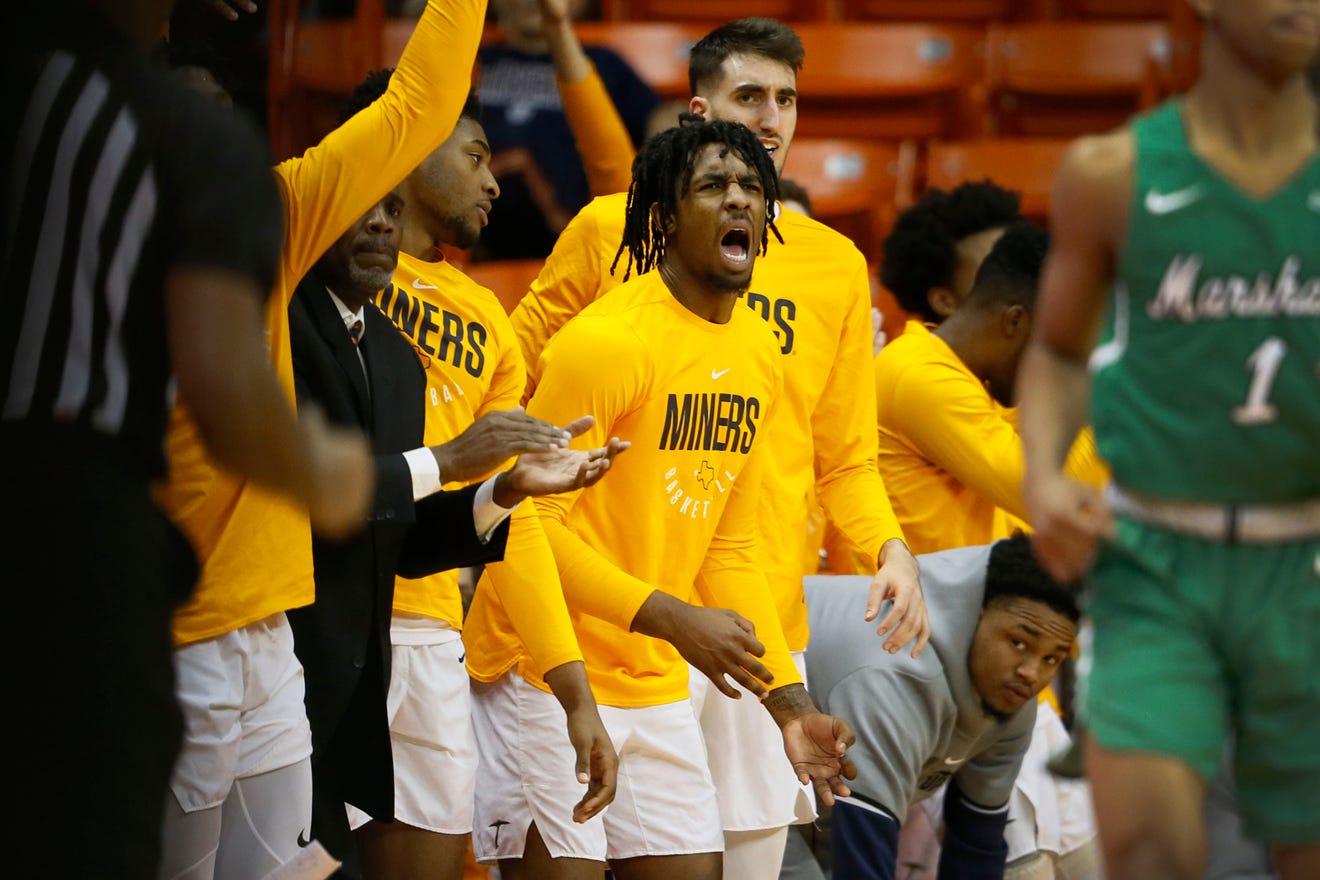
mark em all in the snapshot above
pixel 852 184
pixel 658 51
pixel 712 12
pixel 1065 78
pixel 1026 165
pixel 313 64
pixel 508 278
pixel 890 81
pixel 1149 10
pixel 967 11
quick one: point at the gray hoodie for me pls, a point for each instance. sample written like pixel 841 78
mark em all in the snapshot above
pixel 918 722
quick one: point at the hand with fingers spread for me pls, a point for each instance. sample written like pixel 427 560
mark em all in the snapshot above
pixel 817 744
pixel 492 440
pixel 559 469
pixel 597 765
pixel 1069 518
pixel 717 641
pixel 898 578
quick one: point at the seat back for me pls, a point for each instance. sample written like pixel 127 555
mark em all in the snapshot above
pixel 1066 78
pixel 955 11
pixel 1147 10
pixel 657 51
pixel 509 279
pixel 890 81
pixel 713 12
pixel 852 184
pixel 1026 165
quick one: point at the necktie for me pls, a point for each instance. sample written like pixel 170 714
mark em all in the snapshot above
pixel 355 332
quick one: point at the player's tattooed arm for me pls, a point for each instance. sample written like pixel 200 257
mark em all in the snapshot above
pixel 816 743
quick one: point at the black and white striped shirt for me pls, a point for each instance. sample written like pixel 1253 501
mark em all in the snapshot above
pixel 113 176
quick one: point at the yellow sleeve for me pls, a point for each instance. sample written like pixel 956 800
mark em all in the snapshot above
pixel 527 582
pixel 848 482
pixel 568 282
pixel 730 576
pixel 335 182
pixel 575 385
pixel 602 138
pixel 950 419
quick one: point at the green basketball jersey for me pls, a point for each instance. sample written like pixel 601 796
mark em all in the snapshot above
pixel 1207 383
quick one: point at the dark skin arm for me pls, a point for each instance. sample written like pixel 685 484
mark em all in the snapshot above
pixel 217 334
pixel 1095 182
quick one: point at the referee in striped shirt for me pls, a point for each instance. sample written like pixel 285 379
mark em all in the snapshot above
pixel 139 234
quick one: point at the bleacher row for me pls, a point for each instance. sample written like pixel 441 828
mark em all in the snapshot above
pixel 973 89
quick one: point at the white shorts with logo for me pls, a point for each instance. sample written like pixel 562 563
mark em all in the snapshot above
pixel 758 789
pixel 430 714
pixel 664 804
pixel 242 699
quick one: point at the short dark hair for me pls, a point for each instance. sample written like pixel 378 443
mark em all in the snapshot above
pixel 791 190
pixel 921 252
pixel 661 175
pixel 374 85
pixel 1014 573
pixel 1010 274
pixel 765 37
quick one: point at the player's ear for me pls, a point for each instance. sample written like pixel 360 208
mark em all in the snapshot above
pixel 699 106
pixel 942 301
pixel 1016 321
pixel 659 218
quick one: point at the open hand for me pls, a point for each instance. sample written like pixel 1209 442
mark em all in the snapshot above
pixel 492 440
pixel 817 745
pixel 555 470
pixel 898 578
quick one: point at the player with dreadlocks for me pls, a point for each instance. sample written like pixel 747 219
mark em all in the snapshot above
pixel 656 182
pixel 658 565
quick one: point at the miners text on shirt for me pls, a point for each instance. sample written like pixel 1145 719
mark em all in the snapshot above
pixel 723 422
pixel 453 340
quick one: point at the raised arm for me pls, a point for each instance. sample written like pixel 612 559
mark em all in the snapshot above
pixel 335 182
pixel 602 138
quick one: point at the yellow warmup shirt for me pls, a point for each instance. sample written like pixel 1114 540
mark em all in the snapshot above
pixel 256 548
pixel 677 512
pixel 815 293
pixel 473 366
pixel 950 455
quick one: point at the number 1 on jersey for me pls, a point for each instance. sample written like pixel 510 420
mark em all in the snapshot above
pixel 1264 366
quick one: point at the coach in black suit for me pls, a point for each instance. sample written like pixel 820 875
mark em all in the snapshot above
pixel 351 362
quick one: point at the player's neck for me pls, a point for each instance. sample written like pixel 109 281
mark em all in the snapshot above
pixel 416 241
pixel 702 299
pixel 1253 114
pixel 962 334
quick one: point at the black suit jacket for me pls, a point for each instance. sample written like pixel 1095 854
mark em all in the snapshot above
pixel 343 639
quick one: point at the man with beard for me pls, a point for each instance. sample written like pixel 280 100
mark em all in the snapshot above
pixel 351 361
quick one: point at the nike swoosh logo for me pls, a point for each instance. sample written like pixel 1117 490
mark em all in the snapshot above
pixel 303 842
pixel 1313 201
pixel 418 285
pixel 952 761
pixel 715 374
pixel 1166 203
